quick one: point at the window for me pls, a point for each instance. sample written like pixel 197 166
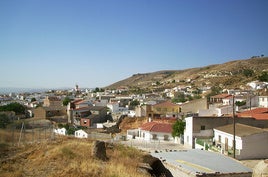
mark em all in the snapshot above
pixel 203 127
pixel 166 137
pixel 155 136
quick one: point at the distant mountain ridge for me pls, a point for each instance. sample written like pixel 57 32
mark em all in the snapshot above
pixel 7 90
pixel 229 74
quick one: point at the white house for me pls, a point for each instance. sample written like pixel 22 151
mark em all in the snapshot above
pixel 131 113
pixel 114 107
pixel 80 134
pixel 202 127
pixel 152 131
pixel 216 111
pixel 251 142
pixel 82 103
pixel 60 131
pixel 263 101
pixel 257 85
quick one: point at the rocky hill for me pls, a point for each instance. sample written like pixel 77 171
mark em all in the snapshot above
pixel 228 75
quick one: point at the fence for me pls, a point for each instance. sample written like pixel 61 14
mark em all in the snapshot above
pixel 14 136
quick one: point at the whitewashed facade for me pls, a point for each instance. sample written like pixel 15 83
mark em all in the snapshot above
pixel 263 101
pixel 60 131
pixel 251 143
pixel 80 134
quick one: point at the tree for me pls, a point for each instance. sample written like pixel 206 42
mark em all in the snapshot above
pixel 33 100
pixel 180 98
pixel 240 103
pixel 4 120
pixel 215 90
pixel 134 103
pixel 248 72
pixel 178 128
pixel 66 101
pixel 97 89
pixel 263 77
pixel 16 107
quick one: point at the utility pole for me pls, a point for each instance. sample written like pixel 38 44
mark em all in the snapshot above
pixel 234 126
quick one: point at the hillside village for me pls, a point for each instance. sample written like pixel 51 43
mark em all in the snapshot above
pixel 232 121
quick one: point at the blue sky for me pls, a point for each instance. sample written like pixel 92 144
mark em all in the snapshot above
pixel 94 43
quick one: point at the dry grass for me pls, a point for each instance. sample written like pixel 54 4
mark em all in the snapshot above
pixel 69 157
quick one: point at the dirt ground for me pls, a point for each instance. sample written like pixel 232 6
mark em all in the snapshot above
pixel 250 163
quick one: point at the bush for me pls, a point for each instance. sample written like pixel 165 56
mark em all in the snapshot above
pixel 4 121
pixel 263 77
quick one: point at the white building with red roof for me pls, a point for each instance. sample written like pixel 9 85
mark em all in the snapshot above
pixel 152 131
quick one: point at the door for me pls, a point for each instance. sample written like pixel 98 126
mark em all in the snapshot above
pixel 226 144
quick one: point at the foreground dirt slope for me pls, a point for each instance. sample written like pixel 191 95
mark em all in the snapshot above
pixel 68 157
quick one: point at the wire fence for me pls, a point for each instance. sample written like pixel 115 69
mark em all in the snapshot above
pixel 16 137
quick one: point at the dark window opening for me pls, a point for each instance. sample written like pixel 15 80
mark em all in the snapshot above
pixel 203 127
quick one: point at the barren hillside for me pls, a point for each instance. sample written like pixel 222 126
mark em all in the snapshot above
pixel 228 74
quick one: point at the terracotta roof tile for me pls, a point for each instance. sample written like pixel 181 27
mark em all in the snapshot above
pixel 157 127
pixel 258 113
pixel 224 95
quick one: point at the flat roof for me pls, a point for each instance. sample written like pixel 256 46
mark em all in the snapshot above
pixel 201 161
pixel 240 129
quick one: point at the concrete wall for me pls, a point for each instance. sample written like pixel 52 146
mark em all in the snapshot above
pixel 194 106
pixel 254 147
pixel 188 132
pixel 141 111
pixel 40 112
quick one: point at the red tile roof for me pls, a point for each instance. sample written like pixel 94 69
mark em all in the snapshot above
pixel 77 101
pixel 157 127
pixel 258 113
pixel 87 108
pixel 224 95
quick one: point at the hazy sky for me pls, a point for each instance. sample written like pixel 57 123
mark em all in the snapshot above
pixel 94 43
